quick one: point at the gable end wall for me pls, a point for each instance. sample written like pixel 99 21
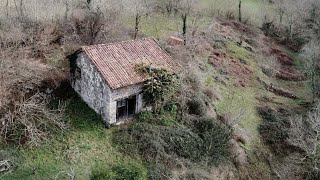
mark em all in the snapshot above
pixel 92 88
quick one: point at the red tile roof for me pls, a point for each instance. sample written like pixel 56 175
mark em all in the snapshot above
pixel 116 61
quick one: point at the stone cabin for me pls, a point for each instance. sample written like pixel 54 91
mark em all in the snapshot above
pixel 104 76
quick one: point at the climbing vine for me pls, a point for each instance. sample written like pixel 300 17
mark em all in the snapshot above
pixel 160 86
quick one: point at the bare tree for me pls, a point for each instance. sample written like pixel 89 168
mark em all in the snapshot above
pixel 89 27
pixel 19 8
pixel 314 20
pixel 311 52
pixel 186 8
pixel 304 132
pixel 95 23
pixel 313 155
pixel 169 6
pixel 295 12
pixel 138 8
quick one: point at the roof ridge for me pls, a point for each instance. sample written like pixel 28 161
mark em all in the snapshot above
pixel 121 42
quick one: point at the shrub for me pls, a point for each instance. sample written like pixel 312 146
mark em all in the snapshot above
pixel 287 133
pixel 167 117
pixel 196 107
pixel 118 172
pixel 158 171
pixel 229 14
pixel 99 173
pixel 205 141
pixel 272 128
pixel 313 175
pixel 160 143
pixel 160 86
pixel 215 136
pixel 212 94
pixel 145 116
pixel 268 27
pixel 193 80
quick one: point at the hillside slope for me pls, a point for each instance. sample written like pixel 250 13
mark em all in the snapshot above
pixel 235 69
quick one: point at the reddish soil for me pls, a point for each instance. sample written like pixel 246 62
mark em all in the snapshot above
pixel 203 47
pixel 241 72
pixel 242 28
pixel 265 99
pixel 287 70
pixel 282 92
pixel 290 74
pixel 283 58
pixel 231 66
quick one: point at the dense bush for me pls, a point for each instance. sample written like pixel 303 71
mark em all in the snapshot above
pixel 196 107
pixel 160 86
pixel 315 175
pixel 157 143
pixel 203 141
pixel 158 171
pixel 215 136
pixel 272 128
pixel 117 172
pixel 165 118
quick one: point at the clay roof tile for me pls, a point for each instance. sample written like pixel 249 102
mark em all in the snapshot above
pixel 116 61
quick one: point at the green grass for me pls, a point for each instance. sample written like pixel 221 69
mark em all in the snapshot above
pixel 239 52
pixel 243 100
pixel 241 104
pixel 163 26
pixel 253 10
pixel 87 144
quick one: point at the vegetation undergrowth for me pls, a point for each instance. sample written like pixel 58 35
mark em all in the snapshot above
pixel 169 144
pixel 77 154
pixel 177 138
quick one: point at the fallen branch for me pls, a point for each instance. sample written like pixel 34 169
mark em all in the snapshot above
pixel 276 90
pixel 31 121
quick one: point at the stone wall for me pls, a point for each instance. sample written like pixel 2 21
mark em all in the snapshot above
pixel 124 93
pixel 94 90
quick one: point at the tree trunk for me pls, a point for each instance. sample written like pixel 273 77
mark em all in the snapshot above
pixel 67 11
pixel 21 8
pixel 240 13
pixel 7 8
pixel 281 12
pixel 169 8
pixel 184 27
pixel 136 31
pixel 290 31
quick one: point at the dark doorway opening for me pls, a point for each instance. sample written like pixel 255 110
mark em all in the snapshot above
pixel 126 108
pixel 132 106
